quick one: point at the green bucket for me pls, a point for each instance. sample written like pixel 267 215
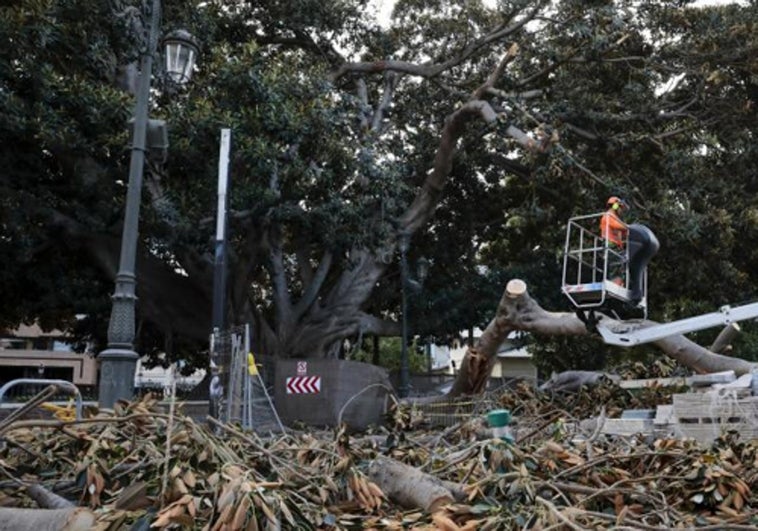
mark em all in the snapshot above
pixel 499 419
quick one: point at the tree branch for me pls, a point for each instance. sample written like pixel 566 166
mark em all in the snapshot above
pixel 518 311
pixel 365 110
pixel 314 286
pixel 429 70
pixel 390 82
pixel 281 295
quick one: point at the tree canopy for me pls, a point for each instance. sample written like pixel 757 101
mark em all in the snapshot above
pixel 476 130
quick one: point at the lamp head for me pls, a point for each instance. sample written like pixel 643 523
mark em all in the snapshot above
pixel 181 51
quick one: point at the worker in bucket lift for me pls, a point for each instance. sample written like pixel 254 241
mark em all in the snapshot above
pixel 614 231
pixel 612 228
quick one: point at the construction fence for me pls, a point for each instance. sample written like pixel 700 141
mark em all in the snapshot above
pixel 238 393
pixel 453 411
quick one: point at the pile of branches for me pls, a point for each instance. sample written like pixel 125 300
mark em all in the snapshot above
pixel 527 402
pixel 140 468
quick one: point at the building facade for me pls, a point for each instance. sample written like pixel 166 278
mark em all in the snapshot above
pixel 30 352
pixel 514 361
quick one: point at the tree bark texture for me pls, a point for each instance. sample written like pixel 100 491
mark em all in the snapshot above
pixel 409 486
pixel 74 519
pixel 723 342
pixel 517 310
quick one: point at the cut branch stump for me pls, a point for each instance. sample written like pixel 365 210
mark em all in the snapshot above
pixel 408 486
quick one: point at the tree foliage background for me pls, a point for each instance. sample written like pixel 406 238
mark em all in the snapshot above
pixel 336 125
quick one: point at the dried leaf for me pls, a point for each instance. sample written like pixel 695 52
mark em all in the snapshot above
pixel 189 479
pixel 226 515
pixel 252 524
pixel 266 509
pixel 179 486
pixel 133 497
pixel 444 523
pixel 553 446
pixel 233 472
pixel 472 525
pixel 728 510
pixel 241 513
pixel 738 501
pixel 228 493
pixel 168 515
pixel 618 503
pixel 287 513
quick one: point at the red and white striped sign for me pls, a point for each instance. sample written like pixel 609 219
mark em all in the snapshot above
pixel 302 385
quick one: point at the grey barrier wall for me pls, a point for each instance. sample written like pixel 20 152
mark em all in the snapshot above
pixel 323 392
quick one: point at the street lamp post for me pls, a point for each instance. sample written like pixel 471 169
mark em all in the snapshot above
pixel 119 360
pixel 406 283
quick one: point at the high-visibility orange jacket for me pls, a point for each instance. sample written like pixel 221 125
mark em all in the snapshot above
pixel 612 228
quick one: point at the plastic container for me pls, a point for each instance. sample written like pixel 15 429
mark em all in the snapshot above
pixel 499 420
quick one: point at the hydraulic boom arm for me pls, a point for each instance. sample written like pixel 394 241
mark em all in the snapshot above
pixel 630 334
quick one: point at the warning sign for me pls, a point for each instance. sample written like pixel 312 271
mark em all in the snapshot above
pixel 302 368
pixel 303 385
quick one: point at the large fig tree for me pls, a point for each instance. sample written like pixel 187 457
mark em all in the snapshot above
pixel 474 131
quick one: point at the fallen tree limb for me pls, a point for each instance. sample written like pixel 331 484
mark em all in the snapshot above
pixel 71 519
pixel 723 342
pixel 518 311
pixel 95 420
pixel 574 380
pixel 47 499
pixel 44 497
pixel 409 486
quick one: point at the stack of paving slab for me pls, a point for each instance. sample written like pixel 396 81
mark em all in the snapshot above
pixel 705 416
pixel 718 403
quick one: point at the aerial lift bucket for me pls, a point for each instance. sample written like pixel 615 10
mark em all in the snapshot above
pixel 596 273
pixel 592 268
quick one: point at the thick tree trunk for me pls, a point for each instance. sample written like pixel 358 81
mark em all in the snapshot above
pixel 324 313
pixel 74 519
pixel 518 311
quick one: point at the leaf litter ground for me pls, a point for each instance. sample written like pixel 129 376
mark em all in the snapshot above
pixel 138 468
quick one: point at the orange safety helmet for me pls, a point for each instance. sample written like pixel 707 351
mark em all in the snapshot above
pixel 616 203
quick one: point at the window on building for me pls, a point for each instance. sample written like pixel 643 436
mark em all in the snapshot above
pixel 62 346
pixel 40 343
pixel 13 344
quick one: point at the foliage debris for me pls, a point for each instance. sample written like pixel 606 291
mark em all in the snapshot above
pixel 136 467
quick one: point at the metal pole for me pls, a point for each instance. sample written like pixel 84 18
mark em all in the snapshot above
pixel 219 274
pixel 219 270
pixel 405 372
pixel 248 423
pixel 118 362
